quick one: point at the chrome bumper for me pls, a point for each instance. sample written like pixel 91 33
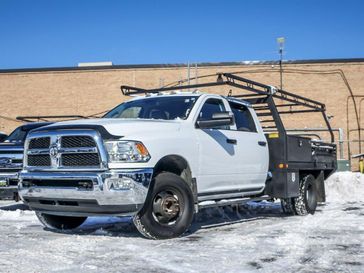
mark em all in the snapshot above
pixel 114 192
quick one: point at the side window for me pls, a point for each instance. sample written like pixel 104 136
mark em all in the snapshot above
pixel 243 119
pixel 210 107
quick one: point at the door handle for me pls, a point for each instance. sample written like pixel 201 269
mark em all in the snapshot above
pixel 231 141
pixel 262 143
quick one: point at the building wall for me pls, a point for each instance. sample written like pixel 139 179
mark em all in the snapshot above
pixel 87 92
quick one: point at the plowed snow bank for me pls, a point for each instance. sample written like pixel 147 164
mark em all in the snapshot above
pixel 345 187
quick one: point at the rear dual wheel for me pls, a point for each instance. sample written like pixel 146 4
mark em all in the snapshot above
pixel 306 202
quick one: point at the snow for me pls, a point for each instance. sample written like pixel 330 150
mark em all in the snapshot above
pixel 255 237
pixel 345 187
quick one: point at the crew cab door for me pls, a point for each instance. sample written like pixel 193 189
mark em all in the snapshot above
pixel 231 160
pixel 252 156
pixel 217 171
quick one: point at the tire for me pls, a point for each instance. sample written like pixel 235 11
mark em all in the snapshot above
pixel 306 202
pixel 168 211
pixel 60 222
pixel 288 206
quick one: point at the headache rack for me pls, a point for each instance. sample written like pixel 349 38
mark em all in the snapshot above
pixel 260 96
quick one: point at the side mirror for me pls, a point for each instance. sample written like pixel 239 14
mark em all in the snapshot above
pixel 3 137
pixel 217 120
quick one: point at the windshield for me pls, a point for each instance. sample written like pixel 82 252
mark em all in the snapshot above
pixel 167 108
pixel 18 135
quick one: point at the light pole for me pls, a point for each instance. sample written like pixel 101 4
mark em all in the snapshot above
pixel 280 42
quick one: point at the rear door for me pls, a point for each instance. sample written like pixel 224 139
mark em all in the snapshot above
pixel 252 157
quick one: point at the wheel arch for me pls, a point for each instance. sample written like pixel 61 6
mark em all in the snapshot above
pixel 178 165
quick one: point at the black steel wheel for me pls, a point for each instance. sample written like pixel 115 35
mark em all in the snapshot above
pixel 168 212
pixel 306 202
pixel 167 206
pixel 60 222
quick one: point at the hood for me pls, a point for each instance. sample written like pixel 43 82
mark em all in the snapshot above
pixel 119 127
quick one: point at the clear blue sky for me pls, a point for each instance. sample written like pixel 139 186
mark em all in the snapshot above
pixel 62 33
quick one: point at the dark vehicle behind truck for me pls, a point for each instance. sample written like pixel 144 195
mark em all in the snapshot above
pixel 3 136
pixel 11 159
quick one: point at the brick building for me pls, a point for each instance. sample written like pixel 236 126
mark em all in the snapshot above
pixel 90 90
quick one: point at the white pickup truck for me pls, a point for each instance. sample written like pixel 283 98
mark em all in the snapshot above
pixel 161 156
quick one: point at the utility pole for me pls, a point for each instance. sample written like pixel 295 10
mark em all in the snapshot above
pixel 280 42
pixel 196 74
pixel 189 73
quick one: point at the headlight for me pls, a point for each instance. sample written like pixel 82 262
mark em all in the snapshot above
pixel 126 151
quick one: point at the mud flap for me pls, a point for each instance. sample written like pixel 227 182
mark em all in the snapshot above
pixel 320 187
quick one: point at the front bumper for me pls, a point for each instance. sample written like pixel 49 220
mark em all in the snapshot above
pixel 114 192
pixel 8 185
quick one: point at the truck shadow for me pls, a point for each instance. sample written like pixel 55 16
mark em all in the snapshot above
pixel 229 215
pixel 14 207
pixel 206 219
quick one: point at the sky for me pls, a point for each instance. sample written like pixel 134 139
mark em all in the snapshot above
pixel 58 33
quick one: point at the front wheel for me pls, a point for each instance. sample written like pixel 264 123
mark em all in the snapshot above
pixel 60 222
pixel 169 210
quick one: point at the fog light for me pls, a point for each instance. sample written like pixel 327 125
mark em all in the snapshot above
pixel 121 183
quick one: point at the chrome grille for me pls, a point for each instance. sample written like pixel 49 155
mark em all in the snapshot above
pixel 39 160
pixel 65 150
pixel 84 159
pixel 77 142
pixel 40 143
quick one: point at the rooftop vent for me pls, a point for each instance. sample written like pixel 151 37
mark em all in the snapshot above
pixel 95 64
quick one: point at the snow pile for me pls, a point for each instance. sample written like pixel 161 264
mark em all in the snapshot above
pixel 345 187
pixel 14 215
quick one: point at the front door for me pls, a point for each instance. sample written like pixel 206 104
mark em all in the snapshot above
pixel 218 170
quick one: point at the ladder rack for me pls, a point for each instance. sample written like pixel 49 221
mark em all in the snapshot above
pixel 261 97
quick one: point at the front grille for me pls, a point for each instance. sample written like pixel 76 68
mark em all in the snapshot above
pixel 63 150
pixel 57 202
pixel 13 182
pixel 39 160
pixel 40 143
pixel 62 183
pixel 82 160
pixel 77 142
